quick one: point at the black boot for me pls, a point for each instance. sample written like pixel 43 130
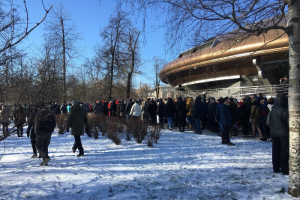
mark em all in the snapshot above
pixel 80 154
pixel 34 155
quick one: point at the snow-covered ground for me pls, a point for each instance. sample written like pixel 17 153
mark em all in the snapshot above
pixel 179 166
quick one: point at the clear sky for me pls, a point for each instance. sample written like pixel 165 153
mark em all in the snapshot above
pixel 90 16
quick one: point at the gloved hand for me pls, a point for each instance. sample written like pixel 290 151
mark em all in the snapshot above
pixel 68 130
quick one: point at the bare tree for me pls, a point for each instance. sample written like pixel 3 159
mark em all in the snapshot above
pixel 110 51
pixel 191 22
pixel 158 64
pixel 129 60
pixel 63 33
pixel 14 29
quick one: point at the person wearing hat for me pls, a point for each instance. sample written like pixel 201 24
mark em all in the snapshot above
pixel 77 120
pixel 279 125
pixel 270 107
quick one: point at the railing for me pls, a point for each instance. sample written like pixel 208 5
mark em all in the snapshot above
pixel 239 92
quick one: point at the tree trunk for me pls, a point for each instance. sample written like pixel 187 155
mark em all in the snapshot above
pixel 294 98
pixel 128 86
pixel 64 61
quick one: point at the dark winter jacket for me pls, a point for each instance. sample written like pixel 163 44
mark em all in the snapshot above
pixel 98 108
pixel 161 108
pixel 44 121
pixel 105 108
pixel 63 109
pixel 20 116
pixel 198 109
pixel 31 121
pixel 77 119
pixel 169 108
pixel 279 119
pixel 218 112
pixel 233 111
pixel 225 116
pixel 152 107
pixel 181 108
pixel 55 108
pixel 128 107
pixel 212 109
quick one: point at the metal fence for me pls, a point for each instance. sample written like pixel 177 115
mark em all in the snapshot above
pixel 238 92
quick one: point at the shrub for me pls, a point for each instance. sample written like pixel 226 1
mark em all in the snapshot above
pixel 92 120
pixel 128 124
pixel 61 122
pixel 155 133
pixel 139 129
pixel 114 130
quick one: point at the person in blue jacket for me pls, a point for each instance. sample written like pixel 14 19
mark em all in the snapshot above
pixel 198 113
pixel 225 118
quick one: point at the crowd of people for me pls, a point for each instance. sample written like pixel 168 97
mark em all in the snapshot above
pixel 223 116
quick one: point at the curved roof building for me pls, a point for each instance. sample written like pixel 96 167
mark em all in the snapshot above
pixel 230 62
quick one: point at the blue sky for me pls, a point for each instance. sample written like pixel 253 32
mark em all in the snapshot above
pixel 91 15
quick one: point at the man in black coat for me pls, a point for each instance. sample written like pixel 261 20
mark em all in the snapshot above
pixel 169 112
pixel 152 107
pixel 279 130
pixel 233 107
pixel 128 108
pixel 182 113
pixel 212 115
pixel 43 128
pixel 225 118
pixel 198 113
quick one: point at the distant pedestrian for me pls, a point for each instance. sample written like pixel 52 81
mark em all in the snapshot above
pixel 225 118
pixel 135 111
pixel 77 120
pixel 169 112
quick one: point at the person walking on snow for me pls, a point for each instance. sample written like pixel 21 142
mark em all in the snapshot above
pixel 77 120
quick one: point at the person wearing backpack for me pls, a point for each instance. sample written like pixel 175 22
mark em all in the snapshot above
pixel 43 127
